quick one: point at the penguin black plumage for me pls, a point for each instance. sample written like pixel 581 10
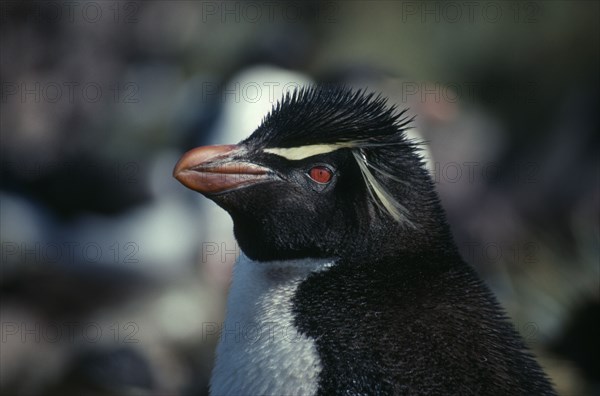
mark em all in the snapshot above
pixel 349 281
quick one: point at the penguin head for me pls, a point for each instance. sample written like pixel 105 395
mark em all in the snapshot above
pixel 328 173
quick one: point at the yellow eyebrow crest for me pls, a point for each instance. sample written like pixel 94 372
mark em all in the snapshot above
pixel 301 152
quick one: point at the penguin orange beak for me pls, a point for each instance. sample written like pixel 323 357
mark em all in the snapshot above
pixel 218 169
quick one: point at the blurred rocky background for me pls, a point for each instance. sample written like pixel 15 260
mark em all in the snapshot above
pixel 113 276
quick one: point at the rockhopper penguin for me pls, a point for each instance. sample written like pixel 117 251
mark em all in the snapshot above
pixel 349 281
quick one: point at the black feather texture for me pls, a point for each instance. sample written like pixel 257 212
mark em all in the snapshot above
pixel 413 325
pixel 331 114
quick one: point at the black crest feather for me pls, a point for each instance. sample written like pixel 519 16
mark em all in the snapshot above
pixel 331 114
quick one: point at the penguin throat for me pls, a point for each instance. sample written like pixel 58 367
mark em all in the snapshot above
pixel 260 350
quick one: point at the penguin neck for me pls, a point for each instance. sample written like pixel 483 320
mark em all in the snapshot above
pixel 260 350
pixel 431 242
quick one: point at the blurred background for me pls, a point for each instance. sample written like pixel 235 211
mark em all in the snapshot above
pixel 113 276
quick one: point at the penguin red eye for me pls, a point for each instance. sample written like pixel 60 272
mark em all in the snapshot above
pixel 320 174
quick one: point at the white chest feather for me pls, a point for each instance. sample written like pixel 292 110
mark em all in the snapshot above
pixel 260 351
